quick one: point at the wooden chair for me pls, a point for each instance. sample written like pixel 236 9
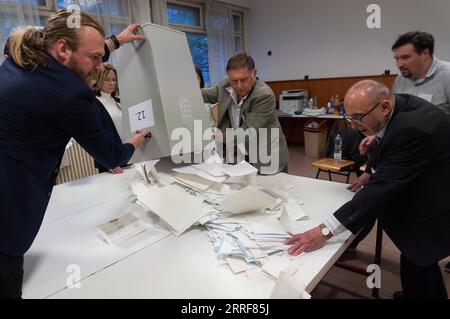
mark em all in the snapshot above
pixel 333 166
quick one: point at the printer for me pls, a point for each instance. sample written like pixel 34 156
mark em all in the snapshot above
pixel 292 101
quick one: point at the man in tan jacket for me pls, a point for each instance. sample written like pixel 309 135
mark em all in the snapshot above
pixel 247 108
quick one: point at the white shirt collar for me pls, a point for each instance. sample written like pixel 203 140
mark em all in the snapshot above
pixel 234 96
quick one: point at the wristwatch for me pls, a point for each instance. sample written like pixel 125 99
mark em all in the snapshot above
pixel 325 231
pixel 116 42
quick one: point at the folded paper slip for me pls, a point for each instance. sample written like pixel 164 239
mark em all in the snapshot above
pixel 174 206
pixel 121 228
pixel 248 199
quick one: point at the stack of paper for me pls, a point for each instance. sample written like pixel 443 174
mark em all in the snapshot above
pixel 214 169
pixel 209 174
pixel 194 181
pixel 235 241
pixel 192 170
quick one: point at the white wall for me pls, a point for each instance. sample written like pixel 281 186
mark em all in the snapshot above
pixel 324 38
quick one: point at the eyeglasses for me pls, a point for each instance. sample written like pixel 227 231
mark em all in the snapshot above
pixel 358 120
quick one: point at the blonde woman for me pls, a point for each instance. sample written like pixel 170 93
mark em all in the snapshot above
pixel 110 111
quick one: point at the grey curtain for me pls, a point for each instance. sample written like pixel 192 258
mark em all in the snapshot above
pixel 219 26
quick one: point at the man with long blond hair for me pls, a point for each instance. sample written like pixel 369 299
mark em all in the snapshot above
pixel 44 101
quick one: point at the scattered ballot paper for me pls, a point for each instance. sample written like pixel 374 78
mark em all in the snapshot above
pixel 289 287
pixel 266 227
pixel 191 170
pixel 248 199
pixel 280 182
pixel 213 169
pixel 241 169
pixel 213 158
pixel 290 225
pixel 238 265
pixel 178 214
pixel 194 181
pixel 122 228
pixel 219 189
pixel 275 264
pixel 294 211
pixel 148 171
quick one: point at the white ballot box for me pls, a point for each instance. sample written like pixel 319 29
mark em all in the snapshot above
pixel 159 91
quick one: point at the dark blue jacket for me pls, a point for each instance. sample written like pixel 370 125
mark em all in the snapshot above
pixel 39 111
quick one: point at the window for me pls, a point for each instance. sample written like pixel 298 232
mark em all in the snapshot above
pixel 114 15
pixel 111 8
pixel 40 3
pixel 9 20
pixel 188 16
pixel 185 16
pixel 238 31
pixel 198 44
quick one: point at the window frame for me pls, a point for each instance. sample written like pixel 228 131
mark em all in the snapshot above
pixel 12 7
pixel 187 28
pixel 199 4
pixel 114 22
pixel 236 11
pixel 113 18
pixel 191 29
pixel 241 33
pixel 52 6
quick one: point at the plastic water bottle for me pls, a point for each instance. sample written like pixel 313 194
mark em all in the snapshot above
pixel 330 106
pixel 338 148
pixel 336 105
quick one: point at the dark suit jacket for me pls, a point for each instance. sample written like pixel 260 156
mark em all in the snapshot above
pixel 410 190
pixel 39 111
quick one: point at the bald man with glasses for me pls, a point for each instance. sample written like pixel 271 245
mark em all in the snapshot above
pixel 357 119
pixel 408 189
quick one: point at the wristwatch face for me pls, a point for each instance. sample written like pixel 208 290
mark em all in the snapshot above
pixel 325 231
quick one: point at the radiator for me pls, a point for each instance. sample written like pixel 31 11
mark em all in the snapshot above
pixel 76 164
